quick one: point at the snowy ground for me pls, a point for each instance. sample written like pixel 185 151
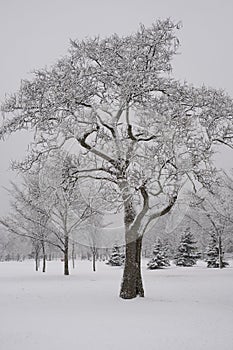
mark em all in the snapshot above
pixel 184 308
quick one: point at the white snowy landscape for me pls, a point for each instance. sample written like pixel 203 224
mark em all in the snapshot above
pixel 184 308
pixel 116 175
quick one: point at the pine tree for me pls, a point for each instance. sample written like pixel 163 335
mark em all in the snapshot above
pixel 214 253
pixel 187 251
pixel 117 257
pixel 159 257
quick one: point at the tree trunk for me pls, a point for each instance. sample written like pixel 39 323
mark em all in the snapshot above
pixel 44 256
pixel 37 256
pixel 94 260
pixel 37 261
pixel 66 256
pixel 139 284
pixel 132 285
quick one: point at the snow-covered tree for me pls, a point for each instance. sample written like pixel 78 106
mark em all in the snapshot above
pixel 212 213
pixel 187 254
pixel 139 132
pixel 47 209
pixel 117 256
pixel 28 217
pixel 159 257
pixel 214 253
pixel 16 248
pixel 93 237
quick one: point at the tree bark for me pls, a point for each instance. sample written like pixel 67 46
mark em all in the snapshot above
pixel 44 256
pixel 37 257
pixel 66 256
pixel 132 285
pixel 94 259
pixel 139 283
pixel 37 261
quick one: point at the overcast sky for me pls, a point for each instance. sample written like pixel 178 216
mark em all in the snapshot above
pixel 34 33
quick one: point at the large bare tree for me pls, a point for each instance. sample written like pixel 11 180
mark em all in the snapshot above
pixel 137 129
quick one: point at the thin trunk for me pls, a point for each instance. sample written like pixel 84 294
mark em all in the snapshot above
pixel 94 259
pixel 66 256
pixel 37 260
pixel 43 256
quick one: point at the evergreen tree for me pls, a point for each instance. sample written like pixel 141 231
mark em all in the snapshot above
pixel 117 257
pixel 187 251
pixel 159 257
pixel 214 253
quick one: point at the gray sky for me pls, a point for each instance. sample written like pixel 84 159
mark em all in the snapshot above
pixel 35 33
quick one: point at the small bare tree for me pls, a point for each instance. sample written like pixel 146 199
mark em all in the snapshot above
pixel 28 216
pixel 212 212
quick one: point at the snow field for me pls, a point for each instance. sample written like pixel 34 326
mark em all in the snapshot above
pixel 184 308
